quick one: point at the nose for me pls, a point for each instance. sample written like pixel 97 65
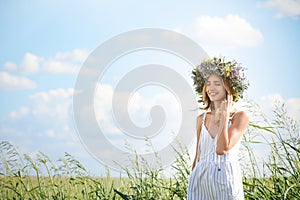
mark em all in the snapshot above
pixel 210 88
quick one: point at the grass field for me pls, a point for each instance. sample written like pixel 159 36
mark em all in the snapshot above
pixel 22 177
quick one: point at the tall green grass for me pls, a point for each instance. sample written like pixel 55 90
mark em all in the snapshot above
pixel 23 177
pixel 279 176
pixel 38 177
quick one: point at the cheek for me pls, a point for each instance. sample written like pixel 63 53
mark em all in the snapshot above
pixel 206 88
pixel 222 90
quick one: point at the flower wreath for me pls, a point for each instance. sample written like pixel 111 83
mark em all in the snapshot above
pixel 231 71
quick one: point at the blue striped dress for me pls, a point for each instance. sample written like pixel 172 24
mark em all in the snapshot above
pixel 215 177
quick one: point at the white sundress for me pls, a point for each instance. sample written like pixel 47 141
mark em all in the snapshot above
pixel 215 177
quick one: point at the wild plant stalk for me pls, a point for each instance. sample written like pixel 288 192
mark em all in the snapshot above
pixel 280 179
pixel 25 177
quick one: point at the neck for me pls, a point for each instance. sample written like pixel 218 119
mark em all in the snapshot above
pixel 215 106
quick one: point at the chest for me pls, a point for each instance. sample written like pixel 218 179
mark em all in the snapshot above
pixel 212 129
pixel 212 125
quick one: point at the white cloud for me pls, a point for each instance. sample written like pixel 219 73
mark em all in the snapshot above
pixel 272 98
pixel 284 8
pixel 103 106
pixel 59 67
pixel 230 31
pixel 138 109
pixel 20 113
pixel 50 133
pixel 47 116
pixel 103 98
pixel 52 104
pixel 10 82
pixel 140 106
pixel 293 105
pixel 10 66
pixel 30 63
pixel 65 62
pixel 77 55
pixel 61 63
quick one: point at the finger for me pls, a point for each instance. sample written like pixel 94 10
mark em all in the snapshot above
pixel 230 97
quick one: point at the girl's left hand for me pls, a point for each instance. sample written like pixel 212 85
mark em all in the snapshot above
pixel 227 105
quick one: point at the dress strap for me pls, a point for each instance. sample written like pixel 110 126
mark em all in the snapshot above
pixel 199 143
pixel 204 118
pixel 233 115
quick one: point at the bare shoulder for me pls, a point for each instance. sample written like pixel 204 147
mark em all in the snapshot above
pixel 199 121
pixel 241 116
pixel 199 124
pixel 200 118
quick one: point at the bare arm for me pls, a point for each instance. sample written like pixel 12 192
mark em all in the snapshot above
pixel 229 137
pixel 198 128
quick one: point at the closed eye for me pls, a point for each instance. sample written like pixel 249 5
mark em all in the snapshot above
pixel 217 83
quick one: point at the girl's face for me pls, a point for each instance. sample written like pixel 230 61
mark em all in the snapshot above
pixel 215 88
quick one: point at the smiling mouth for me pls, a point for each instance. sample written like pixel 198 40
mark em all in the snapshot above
pixel 212 93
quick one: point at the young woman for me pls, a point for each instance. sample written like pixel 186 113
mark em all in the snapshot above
pixel 215 171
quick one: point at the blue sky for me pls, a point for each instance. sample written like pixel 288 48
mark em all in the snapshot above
pixel 44 43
